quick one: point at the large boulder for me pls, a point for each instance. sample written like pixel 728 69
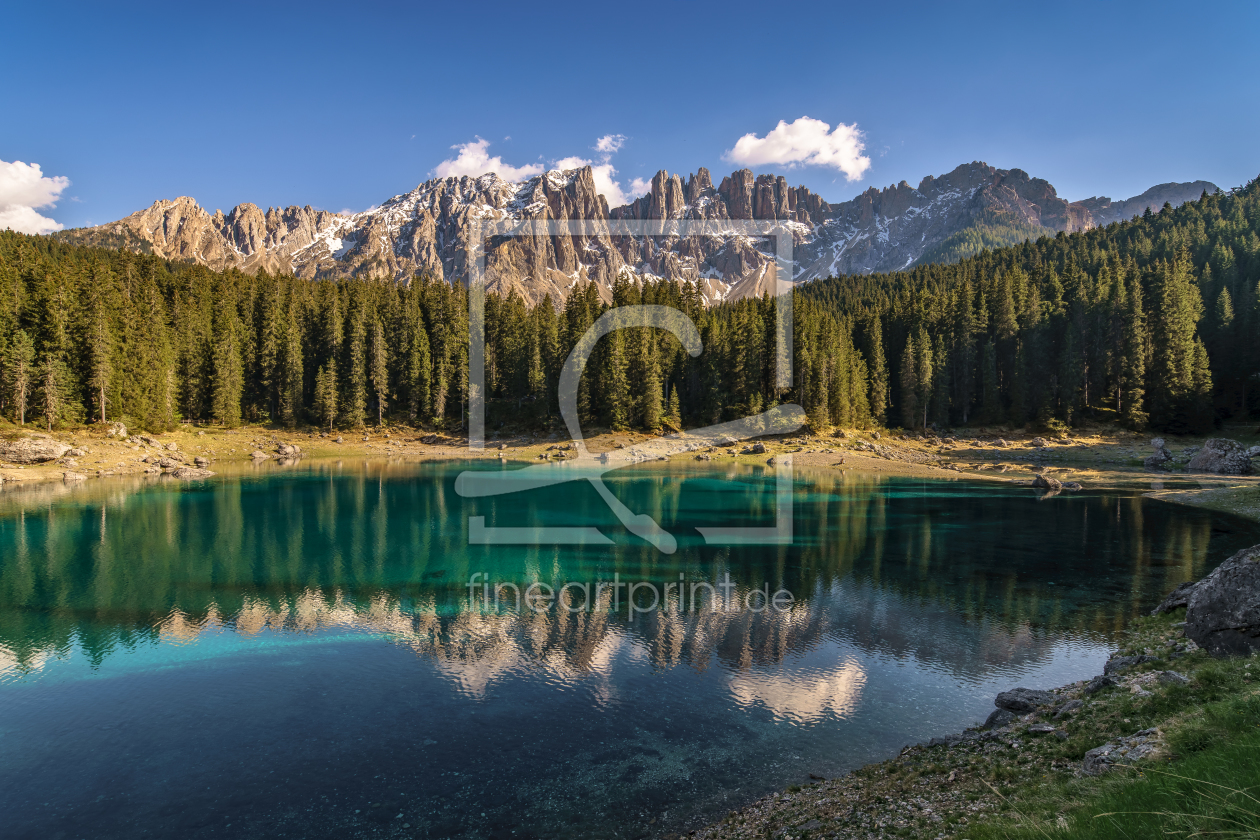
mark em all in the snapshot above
pixel 32 450
pixel 1223 611
pixel 1178 598
pixel 1021 701
pixel 1122 751
pixel 1223 457
pixel 1045 482
pixel 191 472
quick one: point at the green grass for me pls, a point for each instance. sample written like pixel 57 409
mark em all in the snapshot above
pixel 1208 787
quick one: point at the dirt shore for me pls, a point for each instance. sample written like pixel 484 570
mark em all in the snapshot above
pixel 1097 458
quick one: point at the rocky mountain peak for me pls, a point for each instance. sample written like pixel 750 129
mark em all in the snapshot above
pixel 426 230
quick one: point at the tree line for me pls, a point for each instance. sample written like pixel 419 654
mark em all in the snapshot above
pixel 1148 322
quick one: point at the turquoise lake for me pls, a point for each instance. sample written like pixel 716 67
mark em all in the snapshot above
pixel 297 652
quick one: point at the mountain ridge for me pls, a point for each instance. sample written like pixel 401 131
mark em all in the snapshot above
pixel 426 230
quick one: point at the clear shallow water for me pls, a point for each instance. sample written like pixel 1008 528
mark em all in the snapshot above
pixel 292 653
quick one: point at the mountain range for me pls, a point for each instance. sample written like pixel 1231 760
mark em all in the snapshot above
pixel 426 230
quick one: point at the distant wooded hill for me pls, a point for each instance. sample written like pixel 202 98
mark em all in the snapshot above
pixel 1151 321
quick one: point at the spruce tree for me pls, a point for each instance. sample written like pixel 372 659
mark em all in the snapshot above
pixel 1133 365
pixel 228 368
pixel 356 385
pixel 652 398
pixel 326 395
pixel 617 396
pixel 877 366
pixel 379 369
pixel 910 385
pixel 100 351
pixel 1174 396
pixel 21 374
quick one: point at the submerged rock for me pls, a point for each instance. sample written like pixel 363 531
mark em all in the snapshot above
pixel 1223 611
pixel 73 476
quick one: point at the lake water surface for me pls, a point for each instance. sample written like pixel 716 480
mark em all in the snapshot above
pixel 293 652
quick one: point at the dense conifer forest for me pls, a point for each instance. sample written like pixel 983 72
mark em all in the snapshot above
pixel 1151 322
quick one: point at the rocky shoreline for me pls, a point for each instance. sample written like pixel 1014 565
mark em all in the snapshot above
pixel 1069 736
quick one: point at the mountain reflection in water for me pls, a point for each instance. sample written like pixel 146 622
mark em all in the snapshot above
pixel 914 602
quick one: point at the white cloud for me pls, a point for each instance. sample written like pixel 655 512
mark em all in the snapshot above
pixel 23 187
pixel 605 174
pixel 474 160
pixel 605 177
pixel 574 162
pixel 610 144
pixel 805 142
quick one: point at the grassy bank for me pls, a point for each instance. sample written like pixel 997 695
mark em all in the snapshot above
pixel 1025 780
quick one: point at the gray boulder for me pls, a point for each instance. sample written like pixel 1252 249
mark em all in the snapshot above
pixel 1021 701
pixel 1178 598
pixel 1116 664
pixel 1068 708
pixel 1100 682
pixel 191 472
pixel 36 449
pixel 73 476
pixel 1122 751
pixel 1045 482
pixel 1223 613
pixel 1000 718
pixel 1223 457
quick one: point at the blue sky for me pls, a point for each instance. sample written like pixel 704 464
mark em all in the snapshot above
pixel 343 105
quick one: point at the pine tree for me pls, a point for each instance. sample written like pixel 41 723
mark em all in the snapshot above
pixel 910 385
pixel 292 366
pixel 326 395
pixel 419 366
pixel 228 369
pixel 675 408
pixel 991 398
pixel 379 369
pixel 652 397
pixel 617 397
pixel 356 384
pixel 925 373
pixel 100 351
pixel 20 373
pixel 1133 365
pixel 1174 395
pixel 54 379
pixel 877 365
